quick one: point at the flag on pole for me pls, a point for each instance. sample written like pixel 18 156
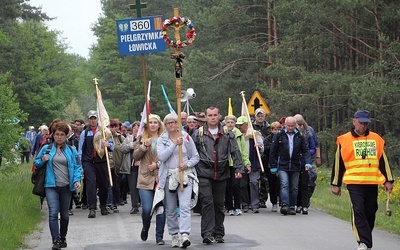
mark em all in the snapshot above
pixel 171 110
pixel 146 110
pixel 101 111
pixel 230 109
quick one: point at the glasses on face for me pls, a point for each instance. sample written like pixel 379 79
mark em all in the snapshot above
pixel 170 123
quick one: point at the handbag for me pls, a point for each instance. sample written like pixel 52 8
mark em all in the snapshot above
pixel 126 164
pixel 38 178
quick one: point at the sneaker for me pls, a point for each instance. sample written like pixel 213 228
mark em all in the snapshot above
pixel 134 210
pixel 274 208
pixel 298 209
pixel 175 241
pixel 85 207
pixel 231 212
pixel 63 243
pixel 185 240
pixel 292 211
pixel 305 210
pixel 160 241
pixel 103 210
pixel 256 211
pixel 362 246
pixel 78 206
pixel 144 234
pixel 245 209
pixel 70 212
pixel 208 240
pixel 92 213
pixel 263 204
pixel 219 239
pixel 56 245
pixel 284 210
pixel 238 212
pixel 115 209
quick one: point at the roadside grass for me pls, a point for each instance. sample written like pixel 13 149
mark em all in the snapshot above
pixel 340 207
pixel 20 209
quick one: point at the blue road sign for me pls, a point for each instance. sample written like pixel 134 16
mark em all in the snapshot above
pixel 140 35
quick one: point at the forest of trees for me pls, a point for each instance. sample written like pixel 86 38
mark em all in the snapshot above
pixel 321 58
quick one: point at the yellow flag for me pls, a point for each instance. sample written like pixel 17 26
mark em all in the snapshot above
pixel 230 110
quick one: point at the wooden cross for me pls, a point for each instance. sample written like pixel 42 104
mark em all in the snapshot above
pixel 138 6
pixel 177 27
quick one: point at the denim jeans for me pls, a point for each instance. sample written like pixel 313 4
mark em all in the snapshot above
pixel 289 187
pixel 58 200
pixel 146 196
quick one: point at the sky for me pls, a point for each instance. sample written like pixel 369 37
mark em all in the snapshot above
pixel 74 19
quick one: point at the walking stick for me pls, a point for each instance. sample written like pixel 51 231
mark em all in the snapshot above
pixel 388 211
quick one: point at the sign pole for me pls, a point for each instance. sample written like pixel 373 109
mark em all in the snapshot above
pixel 138 6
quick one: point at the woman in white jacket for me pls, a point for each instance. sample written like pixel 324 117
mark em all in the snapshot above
pixel 168 155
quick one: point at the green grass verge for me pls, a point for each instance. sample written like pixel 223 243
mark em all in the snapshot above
pixel 20 209
pixel 340 206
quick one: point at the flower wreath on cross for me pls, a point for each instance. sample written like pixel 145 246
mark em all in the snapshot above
pixel 190 36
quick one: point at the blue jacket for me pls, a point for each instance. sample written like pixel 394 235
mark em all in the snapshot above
pixel 279 156
pixel 74 169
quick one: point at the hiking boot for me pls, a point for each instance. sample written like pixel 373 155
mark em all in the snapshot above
pixel 208 240
pixel 144 234
pixel 92 213
pixel 284 210
pixel 56 245
pixel 175 241
pixel 305 210
pixel 103 210
pixel 134 210
pixel 185 240
pixel 274 208
pixel 63 243
pixel 160 241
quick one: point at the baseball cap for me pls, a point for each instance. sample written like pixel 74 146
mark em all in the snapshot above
pixel 92 113
pixel 362 116
pixel 259 111
pixel 241 120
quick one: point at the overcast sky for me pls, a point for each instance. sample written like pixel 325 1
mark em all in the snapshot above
pixel 74 18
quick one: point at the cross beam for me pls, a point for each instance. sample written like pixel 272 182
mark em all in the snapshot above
pixel 138 6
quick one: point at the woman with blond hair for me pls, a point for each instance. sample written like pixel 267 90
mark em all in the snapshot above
pixel 145 151
pixel 169 174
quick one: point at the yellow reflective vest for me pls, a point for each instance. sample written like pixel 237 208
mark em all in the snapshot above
pixel 363 159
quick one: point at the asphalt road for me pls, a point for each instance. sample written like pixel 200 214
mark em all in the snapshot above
pixel 266 230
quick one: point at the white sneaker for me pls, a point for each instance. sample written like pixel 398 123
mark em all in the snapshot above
pixel 274 208
pixel 362 246
pixel 175 240
pixel 238 212
pixel 185 240
pixel 231 212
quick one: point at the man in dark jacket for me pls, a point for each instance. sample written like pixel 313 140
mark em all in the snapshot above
pixel 287 148
pixel 215 144
pixel 95 168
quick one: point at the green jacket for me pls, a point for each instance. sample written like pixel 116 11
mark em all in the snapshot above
pixel 242 147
